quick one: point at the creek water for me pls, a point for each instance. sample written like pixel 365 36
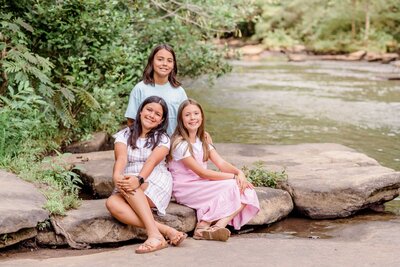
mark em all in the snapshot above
pixel 273 101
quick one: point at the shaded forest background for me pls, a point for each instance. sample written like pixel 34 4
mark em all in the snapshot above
pixel 67 67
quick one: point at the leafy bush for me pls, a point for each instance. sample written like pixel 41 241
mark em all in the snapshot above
pixel 67 67
pixel 259 176
pixel 330 26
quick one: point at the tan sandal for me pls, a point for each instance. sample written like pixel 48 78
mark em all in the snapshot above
pixel 177 239
pixel 150 245
pixel 198 232
pixel 216 233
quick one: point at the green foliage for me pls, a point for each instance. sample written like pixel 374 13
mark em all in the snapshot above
pixel 331 26
pixel 67 67
pixel 26 123
pixel 259 176
pixel 41 226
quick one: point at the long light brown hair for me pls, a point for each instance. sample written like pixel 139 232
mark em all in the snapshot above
pixel 182 134
pixel 148 73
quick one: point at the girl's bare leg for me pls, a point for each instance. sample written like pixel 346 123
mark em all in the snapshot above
pixel 222 223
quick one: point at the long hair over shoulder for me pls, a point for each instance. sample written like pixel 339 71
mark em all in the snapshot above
pixel 181 133
pixel 148 73
pixel 154 135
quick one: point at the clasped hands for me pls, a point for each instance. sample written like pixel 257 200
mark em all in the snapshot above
pixel 127 183
pixel 242 182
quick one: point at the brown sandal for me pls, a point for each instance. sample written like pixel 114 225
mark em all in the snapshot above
pixel 177 239
pixel 216 233
pixel 150 245
pixel 198 232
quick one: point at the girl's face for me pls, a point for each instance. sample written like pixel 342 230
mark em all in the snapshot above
pixel 163 63
pixel 192 117
pixel 151 116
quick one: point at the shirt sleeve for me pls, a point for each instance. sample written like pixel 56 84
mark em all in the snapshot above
pixel 165 141
pixel 122 136
pixel 181 151
pixel 184 96
pixel 135 99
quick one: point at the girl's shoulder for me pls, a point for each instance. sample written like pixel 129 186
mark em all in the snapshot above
pixel 122 135
pixel 142 85
pixel 164 138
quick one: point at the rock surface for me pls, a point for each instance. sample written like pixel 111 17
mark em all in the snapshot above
pixel 91 223
pixel 275 204
pixel 96 143
pixel 325 180
pixel 21 204
pixel 97 174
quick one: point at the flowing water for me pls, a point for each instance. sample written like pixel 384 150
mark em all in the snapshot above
pixel 278 102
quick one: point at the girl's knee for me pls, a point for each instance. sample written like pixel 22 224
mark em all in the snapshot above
pixel 110 203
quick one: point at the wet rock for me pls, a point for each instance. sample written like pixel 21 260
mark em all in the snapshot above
pixel 357 55
pixel 98 141
pixel 296 57
pixel 251 50
pixel 373 56
pixel 275 205
pixel 20 206
pixel 325 180
pixel 389 57
pixel 91 223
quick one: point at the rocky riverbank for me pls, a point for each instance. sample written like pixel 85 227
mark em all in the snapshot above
pixel 324 181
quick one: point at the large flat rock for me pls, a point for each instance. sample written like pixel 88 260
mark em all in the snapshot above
pixel 325 180
pixel 91 223
pixel 20 204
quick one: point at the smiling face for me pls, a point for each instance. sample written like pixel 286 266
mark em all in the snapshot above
pixel 151 116
pixel 192 118
pixel 163 63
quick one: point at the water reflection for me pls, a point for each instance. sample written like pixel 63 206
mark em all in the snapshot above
pixel 352 228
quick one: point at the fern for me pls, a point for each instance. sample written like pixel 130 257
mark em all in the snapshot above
pixel 87 98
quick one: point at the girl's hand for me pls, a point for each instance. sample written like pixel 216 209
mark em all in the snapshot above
pixel 241 181
pixel 249 185
pixel 117 178
pixel 129 183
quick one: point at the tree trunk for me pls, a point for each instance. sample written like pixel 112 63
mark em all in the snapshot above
pixel 353 19
pixel 367 21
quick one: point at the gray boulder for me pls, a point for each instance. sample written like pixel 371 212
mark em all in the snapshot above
pixel 97 174
pixel 99 141
pixel 20 207
pixel 275 204
pixel 91 223
pixel 325 180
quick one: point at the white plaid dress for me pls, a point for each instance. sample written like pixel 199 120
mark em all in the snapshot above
pixel 160 180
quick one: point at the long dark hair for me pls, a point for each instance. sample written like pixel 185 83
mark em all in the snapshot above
pixel 148 73
pixel 155 134
pixel 181 133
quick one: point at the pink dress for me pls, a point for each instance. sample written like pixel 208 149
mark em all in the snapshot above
pixel 213 200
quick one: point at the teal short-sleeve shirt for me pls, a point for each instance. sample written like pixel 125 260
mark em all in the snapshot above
pixel 172 96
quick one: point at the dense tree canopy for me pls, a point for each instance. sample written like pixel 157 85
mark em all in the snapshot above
pixel 330 25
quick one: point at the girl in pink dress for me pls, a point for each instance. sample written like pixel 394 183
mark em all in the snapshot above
pixel 219 197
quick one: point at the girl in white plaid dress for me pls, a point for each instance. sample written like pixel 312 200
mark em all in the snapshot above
pixel 140 175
